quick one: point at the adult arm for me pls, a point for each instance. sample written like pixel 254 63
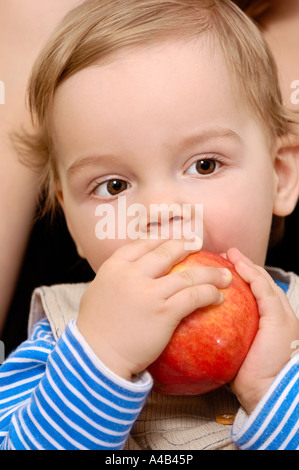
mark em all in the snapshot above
pixel 24 27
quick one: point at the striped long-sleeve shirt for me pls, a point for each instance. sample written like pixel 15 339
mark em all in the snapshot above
pixel 58 395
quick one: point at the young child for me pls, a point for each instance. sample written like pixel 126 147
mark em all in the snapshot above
pixel 158 102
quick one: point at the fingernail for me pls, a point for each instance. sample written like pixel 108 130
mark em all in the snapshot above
pixel 197 240
pixel 194 245
pixel 220 300
pixel 226 273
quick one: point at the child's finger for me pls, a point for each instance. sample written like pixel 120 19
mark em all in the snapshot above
pixel 234 255
pixel 133 250
pixel 237 258
pixel 262 284
pixel 162 258
pixel 177 281
pixel 264 290
pixel 187 300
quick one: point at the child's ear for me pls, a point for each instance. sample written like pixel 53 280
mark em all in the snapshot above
pixel 59 195
pixel 286 167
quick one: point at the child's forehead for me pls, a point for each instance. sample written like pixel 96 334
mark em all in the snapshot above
pixel 164 65
pixel 171 71
pixel 166 57
pixel 170 93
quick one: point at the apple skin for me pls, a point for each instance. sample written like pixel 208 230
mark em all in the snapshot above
pixel 209 345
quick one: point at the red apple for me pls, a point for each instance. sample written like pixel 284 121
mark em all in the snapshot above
pixel 209 345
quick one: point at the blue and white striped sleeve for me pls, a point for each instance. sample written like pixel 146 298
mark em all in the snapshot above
pixel 274 424
pixel 60 396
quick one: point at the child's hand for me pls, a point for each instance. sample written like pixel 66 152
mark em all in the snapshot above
pixel 278 328
pixel 130 310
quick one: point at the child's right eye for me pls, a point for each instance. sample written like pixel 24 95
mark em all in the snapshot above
pixel 111 187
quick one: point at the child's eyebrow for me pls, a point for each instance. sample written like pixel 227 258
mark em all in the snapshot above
pixel 195 138
pixel 210 134
pixel 83 162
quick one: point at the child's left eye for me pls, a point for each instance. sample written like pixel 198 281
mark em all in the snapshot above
pixel 204 166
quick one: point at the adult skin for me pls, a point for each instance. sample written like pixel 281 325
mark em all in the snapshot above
pixel 24 27
pixel 280 25
pixel 279 22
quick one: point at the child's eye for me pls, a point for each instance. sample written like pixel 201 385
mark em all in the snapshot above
pixel 111 187
pixel 204 166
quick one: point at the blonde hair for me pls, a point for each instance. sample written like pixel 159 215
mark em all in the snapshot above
pixel 97 30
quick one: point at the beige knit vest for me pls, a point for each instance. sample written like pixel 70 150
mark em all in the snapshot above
pixel 166 422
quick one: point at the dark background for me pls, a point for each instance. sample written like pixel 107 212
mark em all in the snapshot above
pixel 51 258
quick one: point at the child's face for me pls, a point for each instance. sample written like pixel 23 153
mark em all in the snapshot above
pixel 138 127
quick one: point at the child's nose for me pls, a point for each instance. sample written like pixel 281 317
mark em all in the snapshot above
pixel 166 220
pixel 170 213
